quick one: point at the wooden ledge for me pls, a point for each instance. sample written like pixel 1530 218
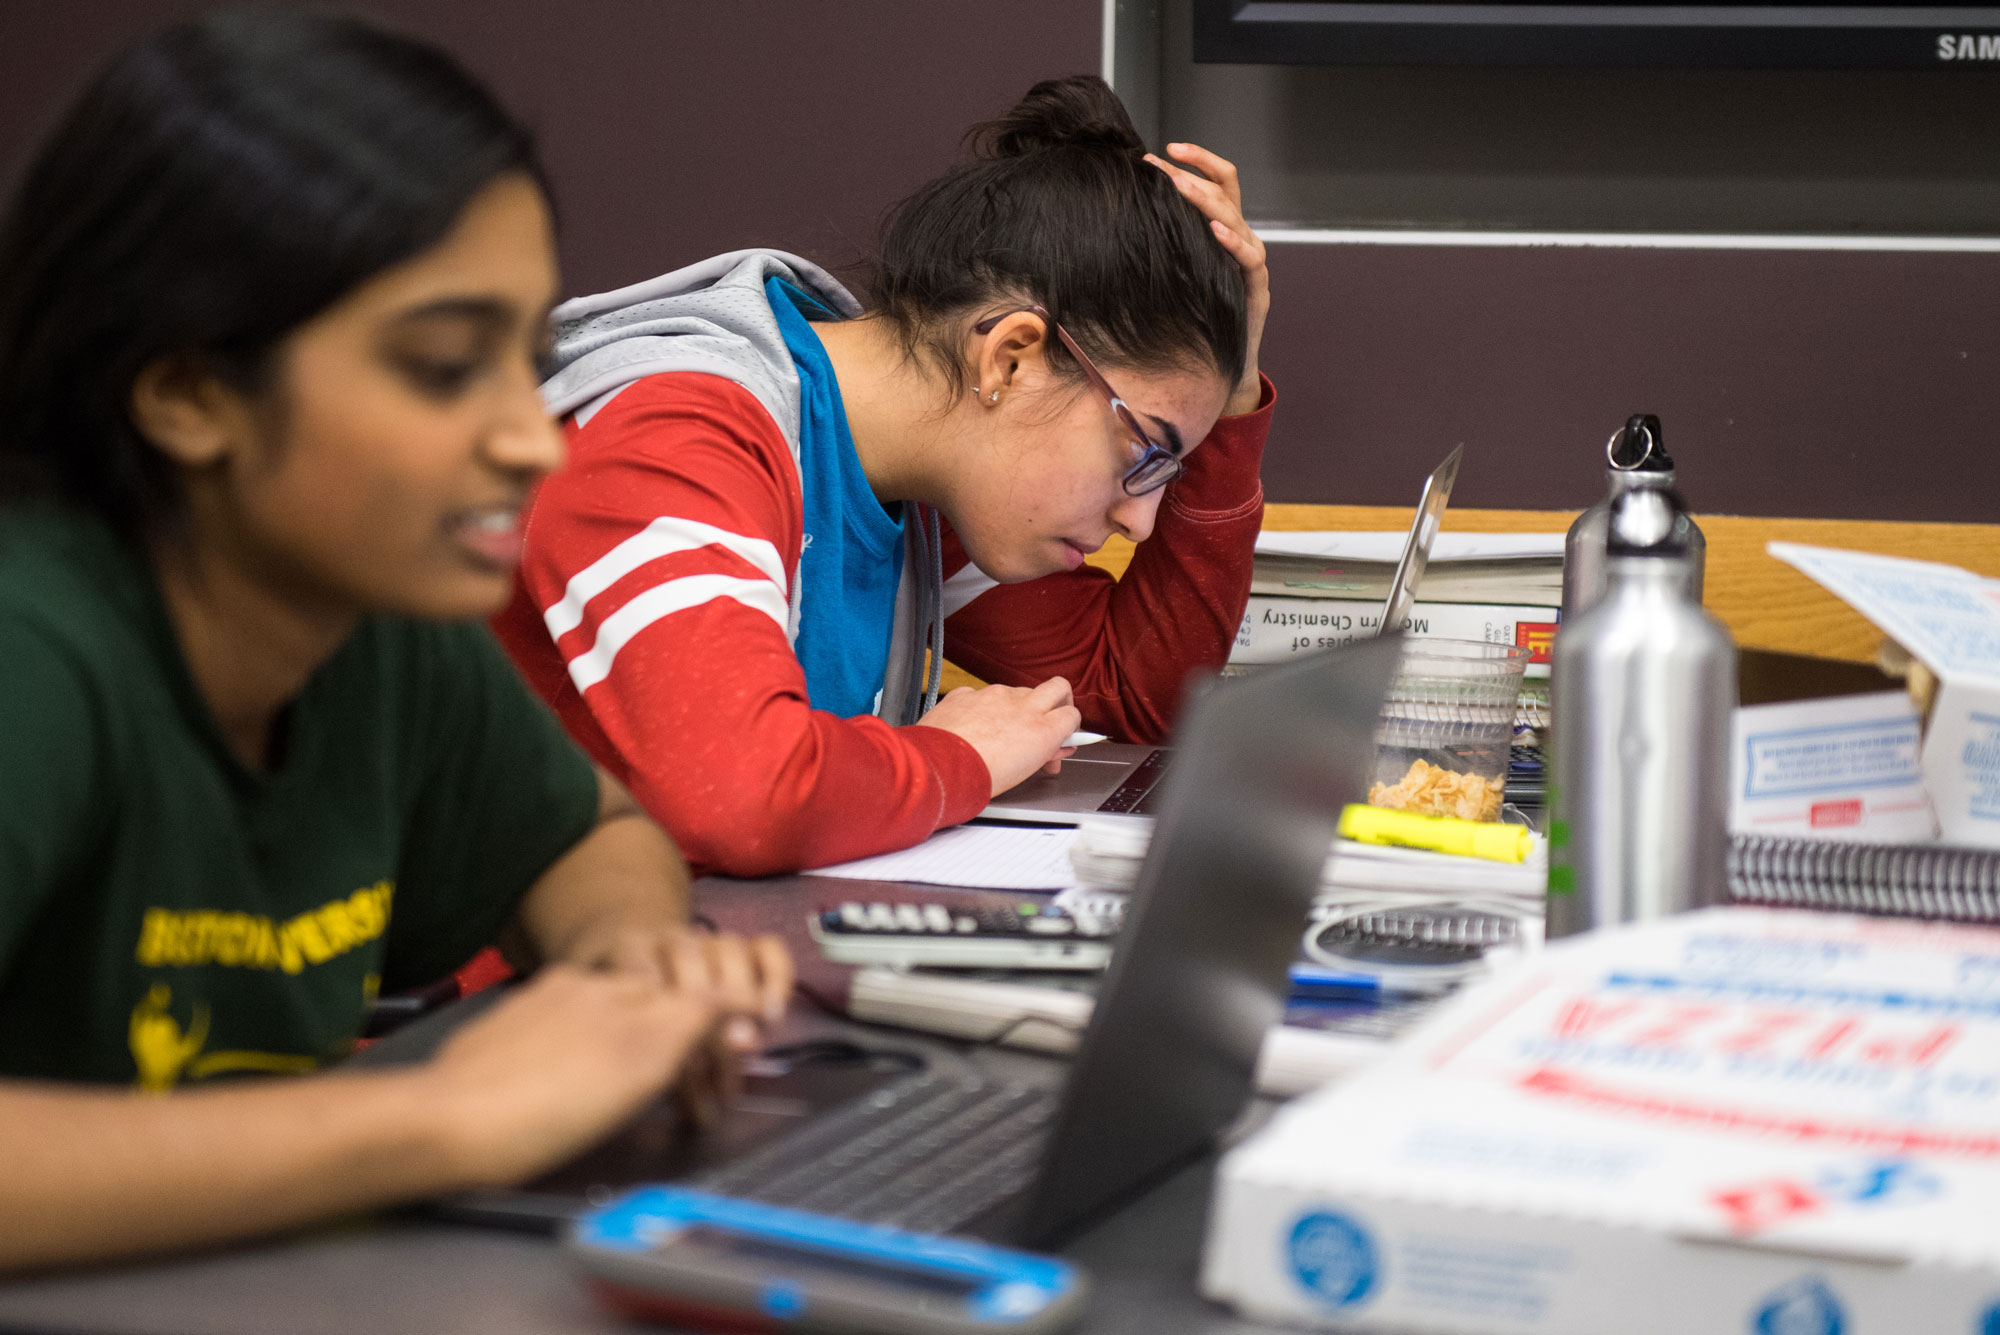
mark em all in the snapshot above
pixel 1765 603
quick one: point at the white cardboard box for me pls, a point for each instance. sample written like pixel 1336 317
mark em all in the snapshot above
pixel 1848 767
pixel 1949 620
pixel 1740 1120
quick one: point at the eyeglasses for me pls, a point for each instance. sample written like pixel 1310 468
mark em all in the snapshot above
pixel 1157 465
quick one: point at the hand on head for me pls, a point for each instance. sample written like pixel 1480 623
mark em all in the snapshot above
pixel 1016 730
pixel 1210 183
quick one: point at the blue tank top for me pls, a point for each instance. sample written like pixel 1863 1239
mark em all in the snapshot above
pixel 852 554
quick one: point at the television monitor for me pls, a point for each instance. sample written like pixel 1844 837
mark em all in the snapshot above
pixel 1595 34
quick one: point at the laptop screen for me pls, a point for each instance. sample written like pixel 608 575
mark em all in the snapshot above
pixel 1264 765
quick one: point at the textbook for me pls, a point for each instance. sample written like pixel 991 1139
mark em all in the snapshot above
pixel 1277 628
pixel 1317 590
pixel 1742 1120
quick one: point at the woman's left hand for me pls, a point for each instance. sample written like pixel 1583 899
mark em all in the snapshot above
pixel 1210 182
pixel 750 978
pixel 749 982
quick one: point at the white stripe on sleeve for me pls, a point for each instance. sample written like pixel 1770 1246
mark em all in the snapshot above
pixel 663 600
pixel 663 537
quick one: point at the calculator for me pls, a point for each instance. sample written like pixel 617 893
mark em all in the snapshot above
pixel 1023 935
pixel 1527 775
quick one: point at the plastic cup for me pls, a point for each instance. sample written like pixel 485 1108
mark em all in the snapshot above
pixel 1447 726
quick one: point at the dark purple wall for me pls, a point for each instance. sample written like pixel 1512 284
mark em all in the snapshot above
pixel 1825 384
pixel 1804 383
pixel 673 129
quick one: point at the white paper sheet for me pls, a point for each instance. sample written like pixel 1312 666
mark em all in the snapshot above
pixel 1948 617
pixel 980 857
pixel 1375 546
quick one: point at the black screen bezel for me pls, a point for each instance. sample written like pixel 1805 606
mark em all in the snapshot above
pixel 1588 36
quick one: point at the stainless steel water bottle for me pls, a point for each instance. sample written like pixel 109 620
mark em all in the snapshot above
pixel 1641 690
pixel 1637 455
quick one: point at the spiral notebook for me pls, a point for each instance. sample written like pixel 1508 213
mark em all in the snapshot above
pixel 1908 880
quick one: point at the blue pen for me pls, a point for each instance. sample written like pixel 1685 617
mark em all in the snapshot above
pixel 1311 982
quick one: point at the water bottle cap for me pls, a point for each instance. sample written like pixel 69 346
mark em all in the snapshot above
pixel 1648 521
pixel 1638 447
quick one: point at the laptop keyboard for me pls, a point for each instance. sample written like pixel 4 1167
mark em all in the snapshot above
pixel 927 1152
pixel 1139 794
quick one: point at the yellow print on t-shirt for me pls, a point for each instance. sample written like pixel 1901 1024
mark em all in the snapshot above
pixel 163 1053
pixel 186 937
pixel 159 1048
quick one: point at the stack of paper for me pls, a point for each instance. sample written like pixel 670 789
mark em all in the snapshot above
pixel 1107 854
pixel 981 857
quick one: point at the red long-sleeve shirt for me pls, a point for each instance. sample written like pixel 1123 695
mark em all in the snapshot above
pixel 650 612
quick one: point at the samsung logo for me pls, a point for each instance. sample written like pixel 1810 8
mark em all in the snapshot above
pixel 1952 47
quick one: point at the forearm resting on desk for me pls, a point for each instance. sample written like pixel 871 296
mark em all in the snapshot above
pixel 92 1174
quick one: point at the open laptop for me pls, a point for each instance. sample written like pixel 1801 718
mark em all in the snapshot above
pixel 1105 778
pixel 1197 978
pixel 1124 779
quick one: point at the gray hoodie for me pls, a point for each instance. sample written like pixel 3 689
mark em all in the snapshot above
pixel 714 318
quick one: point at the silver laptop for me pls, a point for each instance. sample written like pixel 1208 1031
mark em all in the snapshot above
pixel 1164 1065
pixel 1123 779
pixel 1109 778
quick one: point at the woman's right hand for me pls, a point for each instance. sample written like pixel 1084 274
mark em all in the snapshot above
pixel 566 1059
pixel 1016 730
pixel 1211 184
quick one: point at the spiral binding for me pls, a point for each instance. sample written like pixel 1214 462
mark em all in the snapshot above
pixel 1905 880
pixel 1444 927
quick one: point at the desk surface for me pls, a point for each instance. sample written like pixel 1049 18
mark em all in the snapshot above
pixel 391 1276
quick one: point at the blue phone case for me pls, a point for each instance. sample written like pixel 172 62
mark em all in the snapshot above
pixel 677 1254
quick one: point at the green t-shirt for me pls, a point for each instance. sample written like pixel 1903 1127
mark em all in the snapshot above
pixel 167 915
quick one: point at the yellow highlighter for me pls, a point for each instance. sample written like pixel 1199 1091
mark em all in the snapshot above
pixel 1442 834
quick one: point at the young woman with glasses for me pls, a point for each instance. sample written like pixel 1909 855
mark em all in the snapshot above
pixel 784 510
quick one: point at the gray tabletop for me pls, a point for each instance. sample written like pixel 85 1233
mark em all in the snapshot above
pixel 399 1273
pixel 393 1277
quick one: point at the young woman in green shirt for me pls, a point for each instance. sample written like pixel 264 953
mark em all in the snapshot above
pixel 271 300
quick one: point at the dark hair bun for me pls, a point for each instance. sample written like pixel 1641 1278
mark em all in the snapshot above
pixel 1058 207
pixel 1080 111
